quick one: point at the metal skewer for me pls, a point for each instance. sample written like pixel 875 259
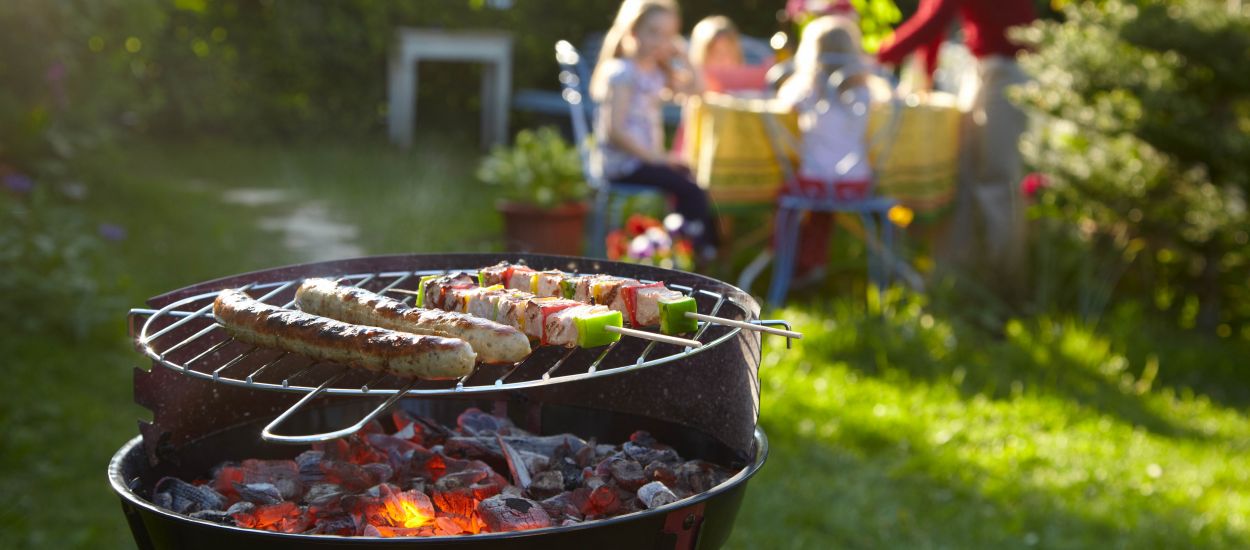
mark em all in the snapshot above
pixel 744 325
pixel 625 331
pixel 675 340
pixel 655 336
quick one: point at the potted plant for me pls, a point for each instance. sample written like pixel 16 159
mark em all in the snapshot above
pixel 543 192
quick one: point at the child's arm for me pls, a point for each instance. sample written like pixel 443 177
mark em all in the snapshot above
pixel 683 78
pixel 617 104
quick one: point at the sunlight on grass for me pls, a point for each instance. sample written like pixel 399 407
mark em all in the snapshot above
pixel 906 430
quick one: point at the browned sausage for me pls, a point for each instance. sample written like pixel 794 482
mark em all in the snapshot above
pixel 372 348
pixel 493 342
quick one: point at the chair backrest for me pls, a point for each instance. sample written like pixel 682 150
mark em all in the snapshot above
pixel 781 139
pixel 755 51
pixel 778 74
pixel 574 79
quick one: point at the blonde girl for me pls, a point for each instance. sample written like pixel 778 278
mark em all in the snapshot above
pixel 715 42
pixel 833 119
pixel 641 64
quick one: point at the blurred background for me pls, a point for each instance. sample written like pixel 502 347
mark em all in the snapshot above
pixel 149 144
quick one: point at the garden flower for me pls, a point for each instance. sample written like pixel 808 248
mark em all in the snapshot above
pixel 641 248
pixel 18 183
pixel 659 236
pixel 637 224
pixel 111 231
pixel 55 77
pixel 901 215
pixel 673 222
pixel 645 240
pixel 1033 183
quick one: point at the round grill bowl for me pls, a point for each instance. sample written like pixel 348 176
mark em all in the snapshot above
pixel 701 521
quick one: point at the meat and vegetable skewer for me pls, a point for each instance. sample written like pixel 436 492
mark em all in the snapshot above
pixel 550 320
pixel 377 349
pixel 493 342
pixel 643 304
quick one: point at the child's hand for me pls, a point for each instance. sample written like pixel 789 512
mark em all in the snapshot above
pixel 678 164
pixel 671 161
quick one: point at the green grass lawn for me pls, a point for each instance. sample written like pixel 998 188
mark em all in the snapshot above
pixel 905 427
pixel 909 430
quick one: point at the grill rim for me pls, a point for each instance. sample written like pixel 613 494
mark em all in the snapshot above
pixel 144 341
pixel 120 487
pixel 735 364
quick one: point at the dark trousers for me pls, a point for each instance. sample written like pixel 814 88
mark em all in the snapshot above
pixel 692 202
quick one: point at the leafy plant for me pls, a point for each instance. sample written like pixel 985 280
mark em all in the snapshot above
pixel 540 169
pixel 1145 108
pixel 876 17
pixel 53 267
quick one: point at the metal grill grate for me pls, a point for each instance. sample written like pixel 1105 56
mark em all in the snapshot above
pixel 184 336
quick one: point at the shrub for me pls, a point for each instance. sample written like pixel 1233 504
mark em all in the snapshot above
pixel 1145 110
pixel 53 270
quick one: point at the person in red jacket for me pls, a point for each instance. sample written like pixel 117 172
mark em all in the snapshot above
pixel 990 168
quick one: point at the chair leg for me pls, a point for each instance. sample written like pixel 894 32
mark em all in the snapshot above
pixel 787 226
pixel 753 269
pixel 865 219
pixel 887 238
pixel 874 259
pixel 595 243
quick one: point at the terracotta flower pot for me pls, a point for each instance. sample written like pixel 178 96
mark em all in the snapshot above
pixel 559 230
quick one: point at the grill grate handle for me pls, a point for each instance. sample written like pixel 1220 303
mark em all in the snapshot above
pixel 268 433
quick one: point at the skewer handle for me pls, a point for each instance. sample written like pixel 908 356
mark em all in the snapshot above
pixel 404 291
pixel 654 336
pixel 745 325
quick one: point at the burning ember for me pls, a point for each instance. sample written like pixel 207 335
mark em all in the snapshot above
pixel 426 479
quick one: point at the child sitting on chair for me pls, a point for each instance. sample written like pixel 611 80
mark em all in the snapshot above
pixel 833 119
pixel 639 65
pixel 716 52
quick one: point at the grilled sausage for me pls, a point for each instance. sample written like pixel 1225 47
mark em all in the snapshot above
pixel 372 348
pixel 493 342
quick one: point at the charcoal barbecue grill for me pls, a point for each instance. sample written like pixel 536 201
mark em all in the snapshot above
pixel 212 396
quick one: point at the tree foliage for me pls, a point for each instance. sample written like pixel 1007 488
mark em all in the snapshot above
pixel 1145 131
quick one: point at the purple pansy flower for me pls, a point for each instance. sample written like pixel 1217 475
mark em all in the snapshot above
pixel 18 183
pixel 112 231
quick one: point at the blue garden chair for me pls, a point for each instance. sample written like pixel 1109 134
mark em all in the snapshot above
pixel 574 81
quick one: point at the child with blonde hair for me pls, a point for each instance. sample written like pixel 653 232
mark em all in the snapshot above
pixel 716 53
pixel 833 120
pixel 715 42
pixel 642 63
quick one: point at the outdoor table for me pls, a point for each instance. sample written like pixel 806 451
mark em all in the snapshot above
pixel 490 48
